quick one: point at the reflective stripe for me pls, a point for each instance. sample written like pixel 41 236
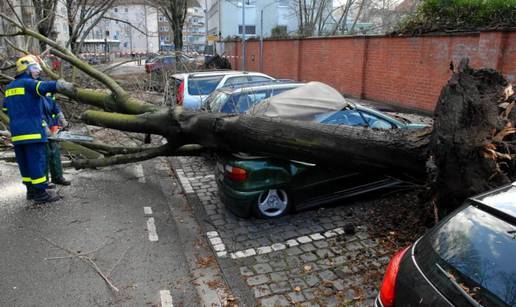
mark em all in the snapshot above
pixel 25 137
pixel 26 179
pixel 15 91
pixel 53 116
pixel 4 109
pixel 43 124
pixel 39 180
pixel 37 89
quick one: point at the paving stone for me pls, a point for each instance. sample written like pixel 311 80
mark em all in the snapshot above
pixel 257 280
pixel 278 264
pixel 310 304
pixel 324 253
pixel 297 282
pixel 276 300
pixel 279 276
pixel 307 247
pixel 311 280
pixel 261 258
pixel 294 251
pixel 304 239
pixel 353 246
pixel 261 290
pixel 262 268
pixel 245 271
pixel 321 244
pixel 307 257
pixel 327 275
pixel 296 297
pixel 309 294
pixel 280 287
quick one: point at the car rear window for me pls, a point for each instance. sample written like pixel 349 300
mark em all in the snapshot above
pixel 477 251
pixel 203 85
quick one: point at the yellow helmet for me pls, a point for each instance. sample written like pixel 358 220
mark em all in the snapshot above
pixel 25 62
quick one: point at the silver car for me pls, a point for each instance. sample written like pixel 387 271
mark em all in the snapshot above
pixel 194 88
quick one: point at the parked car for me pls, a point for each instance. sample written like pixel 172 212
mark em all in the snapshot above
pixel 161 63
pixel 238 99
pixel 468 259
pixel 193 88
pixel 269 187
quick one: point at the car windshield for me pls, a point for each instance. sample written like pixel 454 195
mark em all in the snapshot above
pixel 353 117
pixel 215 100
pixel 241 102
pixel 478 251
pixel 203 85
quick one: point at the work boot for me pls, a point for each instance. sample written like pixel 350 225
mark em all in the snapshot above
pixel 43 196
pixel 30 192
pixel 51 186
pixel 62 181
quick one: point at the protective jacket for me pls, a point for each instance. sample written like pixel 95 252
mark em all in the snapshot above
pixel 24 104
pixel 52 111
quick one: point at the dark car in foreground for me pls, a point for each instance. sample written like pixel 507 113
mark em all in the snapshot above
pixel 270 187
pixel 468 259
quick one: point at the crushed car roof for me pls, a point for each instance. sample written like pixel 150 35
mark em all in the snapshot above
pixel 301 103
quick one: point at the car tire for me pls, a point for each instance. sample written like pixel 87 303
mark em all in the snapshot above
pixel 271 204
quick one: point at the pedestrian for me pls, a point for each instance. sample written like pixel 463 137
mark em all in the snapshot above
pixel 55 120
pixel 24 102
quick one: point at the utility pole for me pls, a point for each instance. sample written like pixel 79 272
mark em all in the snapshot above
pixel 243 35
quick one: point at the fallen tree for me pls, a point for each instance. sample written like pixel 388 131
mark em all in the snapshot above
pixel 474 104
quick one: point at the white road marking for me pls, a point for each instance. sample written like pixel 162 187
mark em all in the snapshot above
pixel 184 181
pixel 166 298
pixel 139 173
pixel 151 228
pixel 147 211
pixel 220 248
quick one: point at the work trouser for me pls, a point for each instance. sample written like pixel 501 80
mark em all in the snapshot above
pixel 32 162
pixel 54 160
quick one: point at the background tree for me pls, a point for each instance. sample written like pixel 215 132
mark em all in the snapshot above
pixel 45 11
pixel 175 12
pixel 83 15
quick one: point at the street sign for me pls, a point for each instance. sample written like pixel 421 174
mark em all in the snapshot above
pixel 213 38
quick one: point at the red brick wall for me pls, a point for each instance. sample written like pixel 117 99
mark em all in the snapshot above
pixel 407 71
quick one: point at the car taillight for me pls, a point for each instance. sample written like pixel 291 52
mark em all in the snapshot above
pixel 388 289
pixel 235 173
pixel 180 93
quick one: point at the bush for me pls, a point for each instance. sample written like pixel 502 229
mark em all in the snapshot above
pixel 460 15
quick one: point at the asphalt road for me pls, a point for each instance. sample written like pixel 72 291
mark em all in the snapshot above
pixel 102 218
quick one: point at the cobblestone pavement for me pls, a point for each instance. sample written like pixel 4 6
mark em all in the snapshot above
pixel 311 258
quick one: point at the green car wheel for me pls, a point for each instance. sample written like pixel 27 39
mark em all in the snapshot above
pixel 272 203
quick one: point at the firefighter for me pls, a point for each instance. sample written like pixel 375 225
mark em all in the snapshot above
pixel 24 104
pixel 55 121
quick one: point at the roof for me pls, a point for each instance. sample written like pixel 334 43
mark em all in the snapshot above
pixel 502 199
pixel 301 103
pixel 259 85
pixel 206 73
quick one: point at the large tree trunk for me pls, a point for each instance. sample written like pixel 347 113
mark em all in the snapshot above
pixel 473 144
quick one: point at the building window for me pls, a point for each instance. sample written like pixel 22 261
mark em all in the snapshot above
pixel 126 10
pixel 116 10
pixel 283 2
pixel 248 29
pixel 125 45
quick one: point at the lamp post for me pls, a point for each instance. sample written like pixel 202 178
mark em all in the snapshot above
pixel 243 34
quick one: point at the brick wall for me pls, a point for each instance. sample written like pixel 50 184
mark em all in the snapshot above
pixel 407 71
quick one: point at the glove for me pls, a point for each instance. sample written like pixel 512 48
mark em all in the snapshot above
pixel 62 120
pixel 65 87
